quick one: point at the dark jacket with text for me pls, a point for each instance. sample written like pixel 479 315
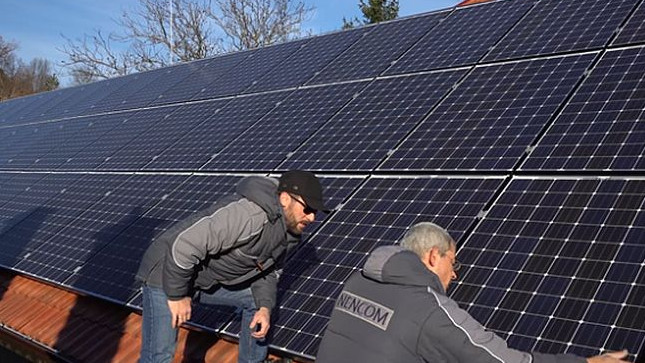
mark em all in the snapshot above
pixel 396 310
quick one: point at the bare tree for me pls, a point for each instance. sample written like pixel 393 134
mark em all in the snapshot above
pixel 253 23
pixel 161 32
pixel 18 79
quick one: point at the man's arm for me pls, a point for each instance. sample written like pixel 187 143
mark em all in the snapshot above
pixel 451 331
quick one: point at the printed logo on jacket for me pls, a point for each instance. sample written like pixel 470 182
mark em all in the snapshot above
pixel 364 309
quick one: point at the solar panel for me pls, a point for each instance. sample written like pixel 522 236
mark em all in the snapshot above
pixel 21 216
pixel 223 124
pixel 634 30
pixel 515 124
pixel 556 265
pixel 558 26
pixel 241 76
pixel 204 72
pixel 129 126
pixel 376 49
pixel 490 119
pixel 306 61
pixel 463 37
pixel 601 128
pixel 266 143
pixel 365 130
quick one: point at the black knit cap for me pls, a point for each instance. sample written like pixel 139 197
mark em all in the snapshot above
pixel 304 184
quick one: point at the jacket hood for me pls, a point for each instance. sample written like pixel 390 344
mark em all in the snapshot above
pixel 397 265
pixel 262 191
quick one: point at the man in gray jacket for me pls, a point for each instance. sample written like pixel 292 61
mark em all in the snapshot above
pixel 396 310
pixel 226 254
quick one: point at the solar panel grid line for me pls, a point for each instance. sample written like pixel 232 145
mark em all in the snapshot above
pixel 295 118
pixel 633 31
pixel 463 37
pixel 238 79
pixel 366 129
pixel 491 117
pixel 601 191
pixel 381 44
pixel 307 61
pixel 557 27
pixel 196 148
pixel 608 100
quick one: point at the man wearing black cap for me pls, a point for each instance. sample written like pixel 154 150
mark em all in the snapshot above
pixel 226 254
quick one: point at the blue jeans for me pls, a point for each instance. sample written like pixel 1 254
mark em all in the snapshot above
pixel 159 339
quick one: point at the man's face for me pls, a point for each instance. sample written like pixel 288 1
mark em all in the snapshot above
pixel 297 214
pixel 445 267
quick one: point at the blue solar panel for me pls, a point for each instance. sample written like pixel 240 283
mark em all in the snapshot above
pixel 376 49
pixel 365 130
pixel 601 128
pixel 557 26
pixel 554 265
pixel 225 123
pixel 463 37
pixel 306 61
pixel 634 30
pixel 21 216
pixel 54 251
pixel 122 130
pixel 255 65
pixel 554 260
pixel 268 142
pixel 203 72
pixel 491 118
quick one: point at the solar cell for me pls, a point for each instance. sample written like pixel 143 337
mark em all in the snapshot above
pixel 634 30
pixel 560 258
pixel 364 131
pixel 601 127
pixel 306 61
pixel 378 213
pixel 21 139
pixel 490 119
pixel 555 26
pixel 376 49
pixel 221 126
pixel 462 37
pixel 266 143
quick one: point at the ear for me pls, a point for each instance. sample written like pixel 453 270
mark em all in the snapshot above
pixel 285 199
pixel 433 257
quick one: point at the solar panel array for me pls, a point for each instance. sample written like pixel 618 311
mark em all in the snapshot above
pixel 517 125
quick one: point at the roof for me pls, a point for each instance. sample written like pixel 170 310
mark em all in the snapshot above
pixel 87 329
pixel 471 2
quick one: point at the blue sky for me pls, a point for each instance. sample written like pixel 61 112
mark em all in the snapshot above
pixel 38 26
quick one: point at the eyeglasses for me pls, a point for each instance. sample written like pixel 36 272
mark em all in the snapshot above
pixel 456 265
pixel 305 208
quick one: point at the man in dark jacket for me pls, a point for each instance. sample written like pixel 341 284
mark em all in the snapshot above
pixel 397 310
pixel 226 254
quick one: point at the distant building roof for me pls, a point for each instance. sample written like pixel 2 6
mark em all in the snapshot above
pixel 470 2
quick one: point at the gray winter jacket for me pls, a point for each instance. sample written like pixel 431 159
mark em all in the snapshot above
pixel 396 310
pixel 239 239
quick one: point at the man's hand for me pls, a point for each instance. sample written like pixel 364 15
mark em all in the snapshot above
pixel 613 357
pixel 262 318
pixel 179 311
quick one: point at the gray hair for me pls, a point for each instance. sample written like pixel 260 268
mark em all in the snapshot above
pixel 424 236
